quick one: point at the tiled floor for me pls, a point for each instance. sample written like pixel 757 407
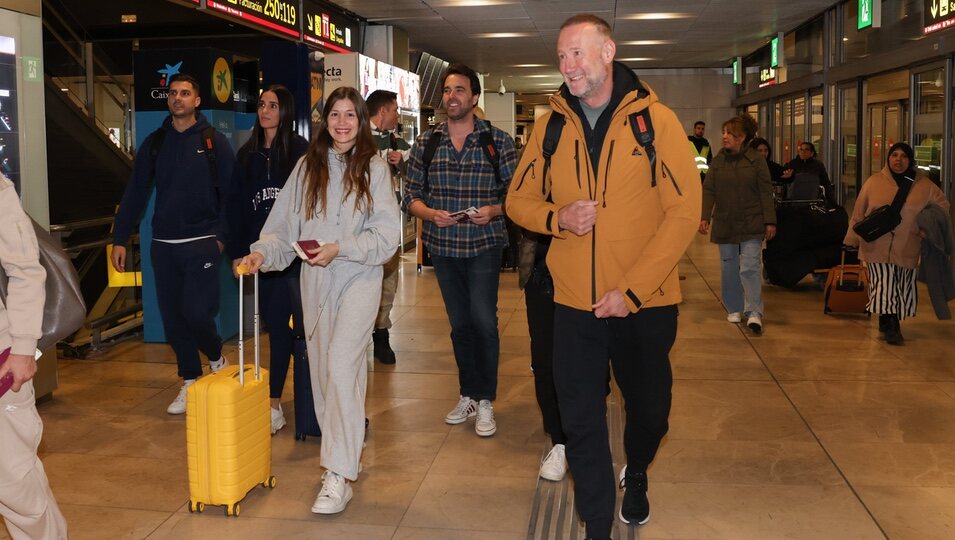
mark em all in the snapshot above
pixel 816 430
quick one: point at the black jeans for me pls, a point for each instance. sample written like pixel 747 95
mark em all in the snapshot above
pixel 638 347
pixel 187 285
pixel 469 288
pixel 281 299
pixel 540 326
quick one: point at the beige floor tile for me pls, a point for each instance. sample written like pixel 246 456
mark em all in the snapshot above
pixel 695 364
pixel 884 424
pixel 216 525
pixel 743 462
pixel 421 362
pixel 90 398
pixel 380 497
pixel 493 503
pixel 135 436
pixel 135 374
pixel 119 482
pixel 824 394
pixel 62 431
pixel 413 385
pixel 420 342
pixel 400 451
pixel 733 512
pixel 877 368
pixel 107 523
pixel 513 451
pixel 412 533
pixel 895 464
pixel 421 326
pixel 403 414
pixel 907 513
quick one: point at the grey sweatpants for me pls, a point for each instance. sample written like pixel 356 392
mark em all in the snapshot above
pixel 26 501
pixel 336 356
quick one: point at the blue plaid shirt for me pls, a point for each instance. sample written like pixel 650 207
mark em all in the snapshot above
pixel 455 183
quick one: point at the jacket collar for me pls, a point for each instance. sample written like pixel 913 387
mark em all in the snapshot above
pixel 628 90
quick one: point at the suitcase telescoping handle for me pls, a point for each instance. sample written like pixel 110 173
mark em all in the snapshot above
pixel 255 322
pixel 842 261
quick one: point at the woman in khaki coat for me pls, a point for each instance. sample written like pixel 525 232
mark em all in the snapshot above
pixel 892 259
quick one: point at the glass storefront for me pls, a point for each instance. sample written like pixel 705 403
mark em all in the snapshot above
pixel 849 159
pixel 929 121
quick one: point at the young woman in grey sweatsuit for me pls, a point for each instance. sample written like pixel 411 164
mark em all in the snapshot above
pixel 356 217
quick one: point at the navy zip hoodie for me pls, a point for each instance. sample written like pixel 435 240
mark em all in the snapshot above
pixel 257 185
pixel 186 200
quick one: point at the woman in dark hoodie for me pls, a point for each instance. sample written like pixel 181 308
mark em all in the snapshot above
pixel 806 162
pixel 263 165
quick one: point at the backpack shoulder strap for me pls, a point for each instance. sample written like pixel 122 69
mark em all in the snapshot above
pixel 430 148
pixel 209 144
pixel 555 125
pixel 486 139
pixel 155 145
pixel 642 128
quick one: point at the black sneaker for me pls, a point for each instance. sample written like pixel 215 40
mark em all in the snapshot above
pixel 885 322
pixel 893 332
pixel 635 508
pixel 382 347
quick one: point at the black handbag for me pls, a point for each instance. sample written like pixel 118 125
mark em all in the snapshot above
pixel 64 311
pixel 886 218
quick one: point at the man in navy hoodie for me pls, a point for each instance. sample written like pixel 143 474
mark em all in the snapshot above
pixel 189 228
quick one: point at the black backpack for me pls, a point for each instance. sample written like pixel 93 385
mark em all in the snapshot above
pixel 208 142
pixel 640 125
pixel 486 140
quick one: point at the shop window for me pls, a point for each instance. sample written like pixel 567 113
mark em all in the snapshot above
pixel 929 120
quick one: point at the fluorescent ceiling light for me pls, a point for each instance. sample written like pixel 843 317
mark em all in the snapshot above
pixel 637 59
pixel 655 16
pixel 474 3
pixel 495 35
pixel 648 42
pixel 540 76
pixel 530 65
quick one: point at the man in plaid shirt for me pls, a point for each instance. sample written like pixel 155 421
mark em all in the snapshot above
pixel 465 250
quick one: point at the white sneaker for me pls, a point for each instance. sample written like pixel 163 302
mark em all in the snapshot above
pixel 485 425
pixel 219 364
pixel 178 405
pixel 278 419
pixel 554 466
pixel 755 323
pixel 334 495
pixel 735 317
pixel 466 408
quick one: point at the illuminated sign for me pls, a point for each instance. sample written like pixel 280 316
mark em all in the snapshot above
pixel 937 15
pixel 329 28
pixel 737 69
pixel 277 15
pixel 870 14
pixel 767 76
pixel 774 52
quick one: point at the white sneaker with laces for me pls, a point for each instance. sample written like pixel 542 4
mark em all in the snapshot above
pixel 735 317
pixel 334 495
pixel 554 466
pixel 485 425
pixel 278 419
pixel 178 405
pixel 219 364
pixel 466 408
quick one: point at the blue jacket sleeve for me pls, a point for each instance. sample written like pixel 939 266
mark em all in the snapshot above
pixel 135 197
pixel 237 246
pixel 225 161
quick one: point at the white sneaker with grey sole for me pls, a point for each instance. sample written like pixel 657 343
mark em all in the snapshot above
pixel 178 405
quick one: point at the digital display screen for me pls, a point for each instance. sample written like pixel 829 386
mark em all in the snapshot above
pixel 9 128
pixel 329 28
pixel 276 15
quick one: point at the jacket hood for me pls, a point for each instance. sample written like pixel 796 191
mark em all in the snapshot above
pixel 201 124
pixel 627 88
pixel 747 153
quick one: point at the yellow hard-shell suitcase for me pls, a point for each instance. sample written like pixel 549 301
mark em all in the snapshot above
pixel 228 434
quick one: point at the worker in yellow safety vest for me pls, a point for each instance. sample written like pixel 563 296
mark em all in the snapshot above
pixel 702 154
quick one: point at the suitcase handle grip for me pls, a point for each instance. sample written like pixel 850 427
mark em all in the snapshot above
pixel 255 321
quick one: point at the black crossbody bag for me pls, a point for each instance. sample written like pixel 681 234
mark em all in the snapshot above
pixel 886 218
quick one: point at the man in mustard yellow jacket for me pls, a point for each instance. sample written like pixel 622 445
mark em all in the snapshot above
pixel 622 213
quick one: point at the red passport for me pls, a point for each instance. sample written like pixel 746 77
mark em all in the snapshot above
pixel 307 249
pixel 7 381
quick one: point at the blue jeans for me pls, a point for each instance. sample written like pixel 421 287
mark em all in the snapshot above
pixel 741 280
pixel 469 288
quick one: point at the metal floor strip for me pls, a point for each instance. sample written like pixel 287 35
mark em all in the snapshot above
pixel 553 516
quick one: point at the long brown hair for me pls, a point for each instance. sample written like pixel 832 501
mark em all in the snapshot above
pixel 357 177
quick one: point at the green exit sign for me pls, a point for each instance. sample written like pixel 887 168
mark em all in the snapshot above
pixel 870 14
pixel 737 69
pixel 774 52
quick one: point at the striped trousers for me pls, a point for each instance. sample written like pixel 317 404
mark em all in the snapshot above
pixel 892 290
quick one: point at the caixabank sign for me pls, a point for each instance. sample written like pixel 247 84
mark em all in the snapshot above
pixel 937 15
pixel 152 71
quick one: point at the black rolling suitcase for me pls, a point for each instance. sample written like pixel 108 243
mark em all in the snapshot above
pixel 306 424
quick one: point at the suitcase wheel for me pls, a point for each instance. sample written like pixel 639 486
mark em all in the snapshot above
pixel 270 483
pixel 232 510
pixel 196 507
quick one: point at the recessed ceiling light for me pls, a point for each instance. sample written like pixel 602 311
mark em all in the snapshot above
pixel 474 3
pixel 637 59
pixel 648 42
pixel 127 18
pixel 540 76
pixel 494 35
pixel 655 16
pixel 530 65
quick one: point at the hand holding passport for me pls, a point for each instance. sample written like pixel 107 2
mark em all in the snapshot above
pixel 462 216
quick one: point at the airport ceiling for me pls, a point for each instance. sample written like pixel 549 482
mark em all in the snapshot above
pixel 652 33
